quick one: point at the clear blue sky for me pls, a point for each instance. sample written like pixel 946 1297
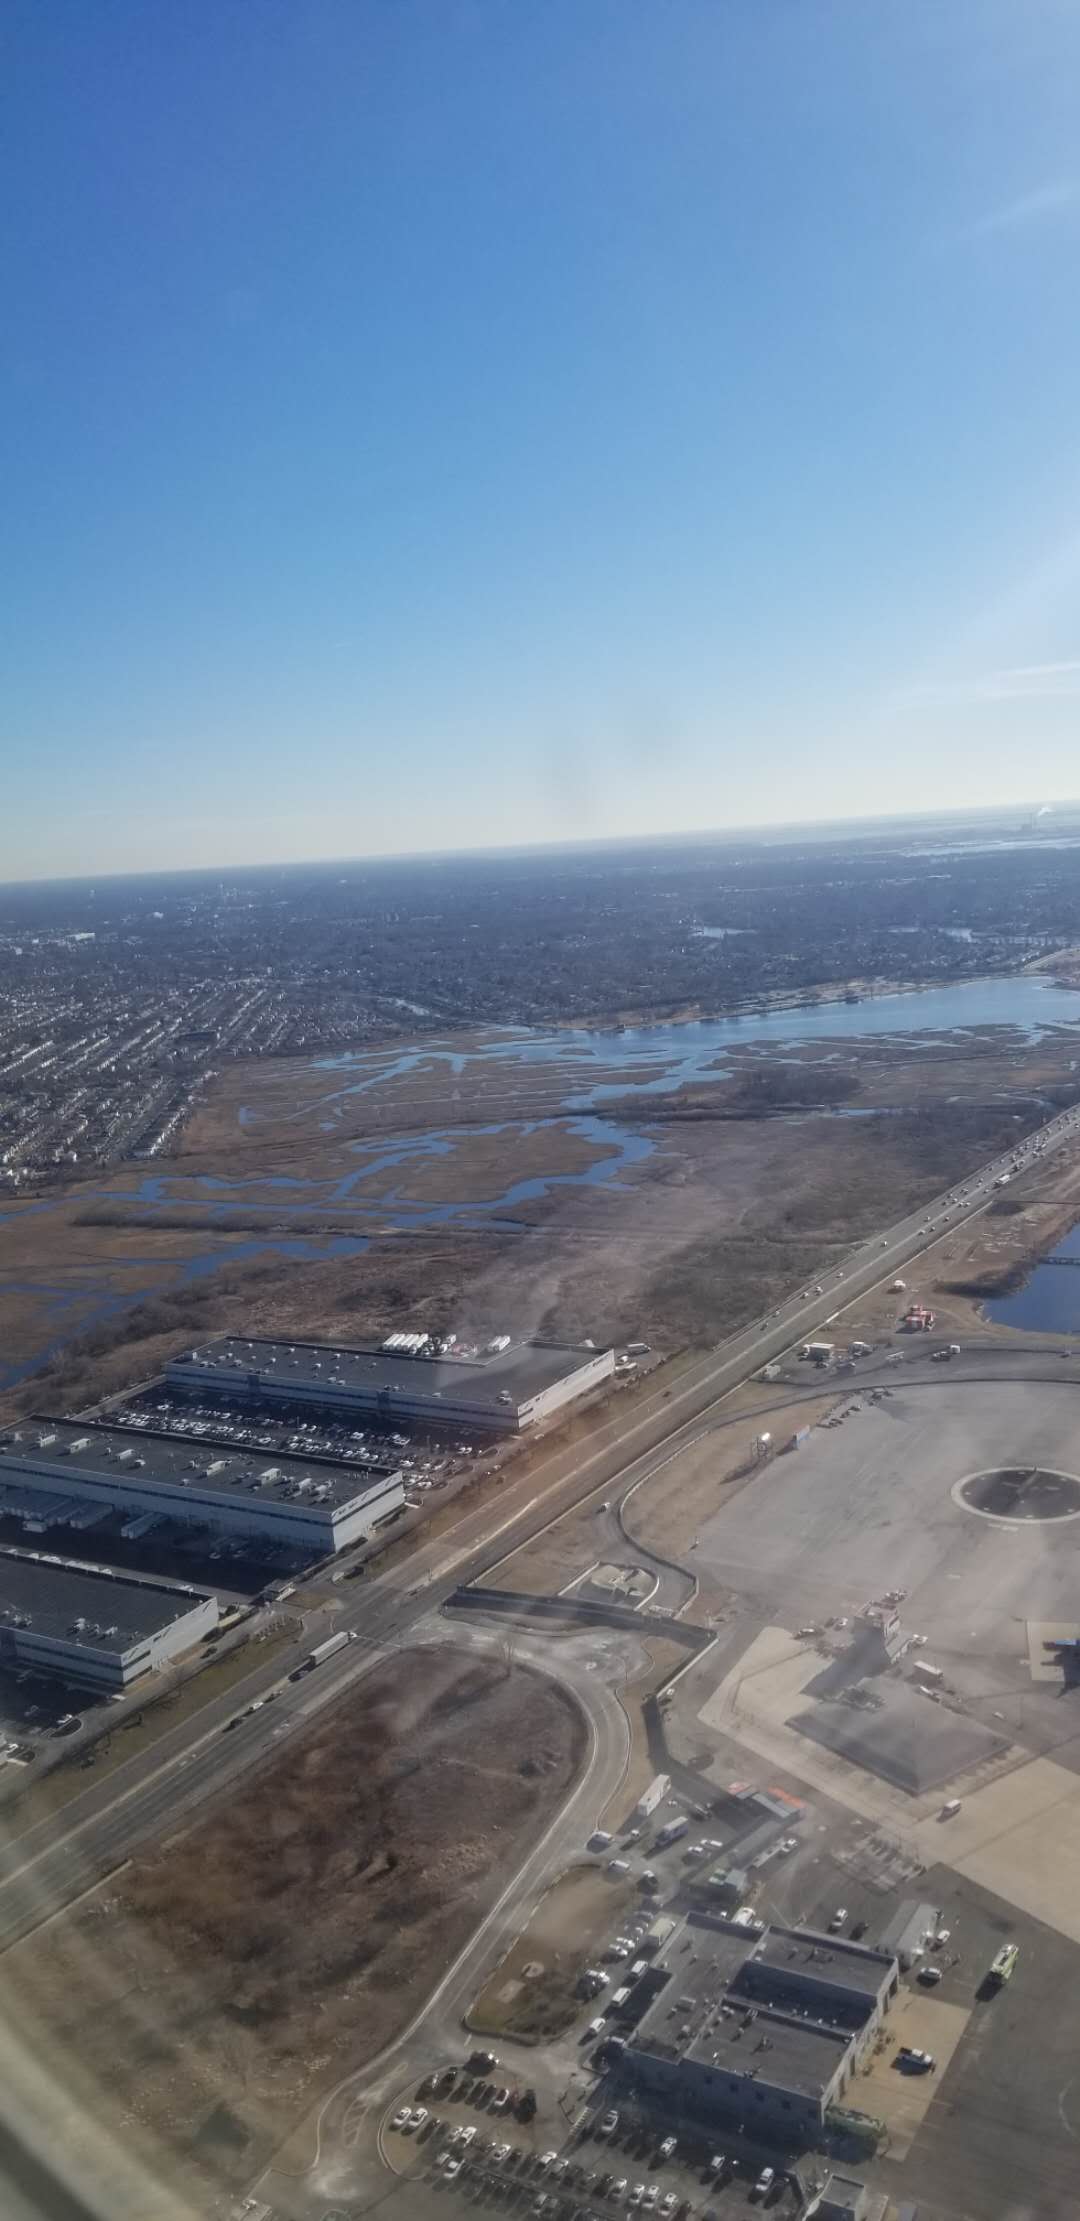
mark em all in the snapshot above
pixel 434 422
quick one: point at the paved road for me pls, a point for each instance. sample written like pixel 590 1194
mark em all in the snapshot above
pixel 56 1860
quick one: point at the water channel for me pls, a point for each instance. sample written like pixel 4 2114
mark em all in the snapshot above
pixel 587 1069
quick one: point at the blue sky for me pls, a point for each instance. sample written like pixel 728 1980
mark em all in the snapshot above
pixel 439 422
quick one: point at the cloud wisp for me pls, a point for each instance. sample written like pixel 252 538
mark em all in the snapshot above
pixel 1027 208
pixel 1020 682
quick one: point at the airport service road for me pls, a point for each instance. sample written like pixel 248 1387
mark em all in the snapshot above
pixel 53 1862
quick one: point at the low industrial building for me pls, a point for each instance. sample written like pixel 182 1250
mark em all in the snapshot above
pixel 758 2025
pixel 498 1390
pixel 57 1473
pixel 908 1932
pixel 86 1624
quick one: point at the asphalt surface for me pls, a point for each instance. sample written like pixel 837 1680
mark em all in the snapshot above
pixel 96 1830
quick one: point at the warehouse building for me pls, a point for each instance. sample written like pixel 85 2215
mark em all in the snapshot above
pixel 497 1390
pixel 57 1473
pixel 86 1624
pixel 760 2026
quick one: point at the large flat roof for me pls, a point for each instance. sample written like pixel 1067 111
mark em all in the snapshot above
pixel 84 1446
pixel 790 2053
pixel 719 1972
pixel 51 1595
pixel 521 1371
pixel 699 1977
pixel 828 1959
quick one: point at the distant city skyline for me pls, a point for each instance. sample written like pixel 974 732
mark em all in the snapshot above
pixel 454 427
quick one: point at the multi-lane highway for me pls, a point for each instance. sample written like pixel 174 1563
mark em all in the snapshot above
pixel 52 1862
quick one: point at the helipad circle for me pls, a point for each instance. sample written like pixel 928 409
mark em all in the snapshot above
pixel 1031 1494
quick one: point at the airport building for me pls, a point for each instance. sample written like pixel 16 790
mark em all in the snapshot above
pixel 86 1624
pixel 498 1390
pixel 757 2025
pixel 57 1473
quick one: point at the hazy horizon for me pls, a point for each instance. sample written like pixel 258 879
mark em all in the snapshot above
pixel 1037 821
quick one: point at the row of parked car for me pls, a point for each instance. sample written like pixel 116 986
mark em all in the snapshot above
pixel 613 2128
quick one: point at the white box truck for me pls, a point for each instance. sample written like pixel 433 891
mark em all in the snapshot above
pixel 652 1796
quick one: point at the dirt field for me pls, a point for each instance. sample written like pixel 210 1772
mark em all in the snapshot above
pixel 531 1993
pixel 218 1985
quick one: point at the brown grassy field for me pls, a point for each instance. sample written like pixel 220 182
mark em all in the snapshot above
pixel 531 1994
pixel 212 1990
pixel 743 1196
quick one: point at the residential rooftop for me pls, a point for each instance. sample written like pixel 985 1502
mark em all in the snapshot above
pixel 218 1468
pixel 69 1602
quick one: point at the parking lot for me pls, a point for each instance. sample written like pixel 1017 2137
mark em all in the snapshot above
pixel 617 2162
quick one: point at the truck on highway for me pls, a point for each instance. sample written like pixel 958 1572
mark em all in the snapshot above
pixel 323 1651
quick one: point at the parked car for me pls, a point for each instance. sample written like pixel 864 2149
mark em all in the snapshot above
pixel 609 2124
pixel 764 2182
pixel 402 2117
pixel 667 2148
pixel 838 1919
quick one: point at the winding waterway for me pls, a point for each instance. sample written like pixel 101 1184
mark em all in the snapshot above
pixel 632 1065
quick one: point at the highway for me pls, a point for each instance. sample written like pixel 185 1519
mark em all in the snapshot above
pixel 100 1826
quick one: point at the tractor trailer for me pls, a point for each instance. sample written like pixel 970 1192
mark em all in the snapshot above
pixel 323 1651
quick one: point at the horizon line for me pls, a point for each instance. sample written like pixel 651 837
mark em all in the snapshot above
pixel 1039 811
